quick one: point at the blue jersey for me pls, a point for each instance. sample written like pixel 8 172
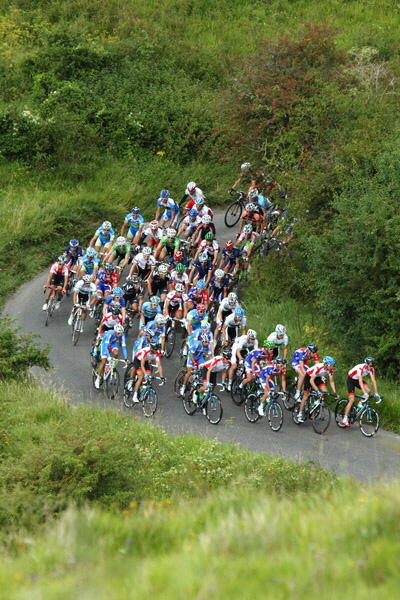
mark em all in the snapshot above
pixel 135 222
pixel 74 253
pixel 199 352
pixel 196 319
pixel 169 205
pixel 110 341
pixel 149 312
pixel 104 235
pixel 270 371
pixel 158 331
pixel 202 269
pixel 257 354
pixel 114 301
pixel 89 264
pixel 298 356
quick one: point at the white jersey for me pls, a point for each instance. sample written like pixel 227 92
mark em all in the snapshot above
pixel 154 233
pixel 230 321
pixel 145 262
pixel 273 337
pixel 194 195
pixel 85 288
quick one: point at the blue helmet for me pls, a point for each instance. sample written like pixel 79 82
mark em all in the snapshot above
pixel 328 360
pixel 118 291
pixel 193 213
pixel 205 325
pixel 201 284
pixel 135 210
pixel 91 252
pixel 73 243
pixel 239 312
pixel 199 200
pixel 164 194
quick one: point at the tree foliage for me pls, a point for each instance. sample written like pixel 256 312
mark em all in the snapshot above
pixel 19 352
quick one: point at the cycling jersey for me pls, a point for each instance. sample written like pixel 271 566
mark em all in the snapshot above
pixel 270 371
pixel 170 207
pixel 195 319
pixel 201 269
pixel 110 341
pixel 362 369
pixel 147 353
pixel 73 254
pixel 144 262
pixel 148 312
pixel 86 289
pixel 240 344
pixel 60 271
pixel 256 354
pixel 155 235
pixel 217 288
pixel 121 250
pixel 169 245
pixel 197 296
pixel 176 300
pixel 234 326
pixel 179 278
pixel 217 364
pixel 135 222
pixel 209 248
pixel 198 353
pixel 159 283
pixel 202 230
pixel 114 301
pixel 88 265
pixel 273 337
pixel 132 293
pixel 104 236
pixel 157 329
pixel 109 321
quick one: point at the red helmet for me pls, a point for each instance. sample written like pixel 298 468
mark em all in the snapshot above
pixel 178 254
pixel 201 307
pixel 228 245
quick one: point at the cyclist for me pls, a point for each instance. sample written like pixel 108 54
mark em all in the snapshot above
pixel 209 370
pixel 232 324
pixel 141 342
pixel 149 310
pixel 158 328
pixel 133 293
pixel 176 302
pixel 57 279
pixel 143 264
pixel 266 378
pixel 210 247
pixel 158 282
pixel 102 239
pixel 198 353
pixel 168 218
pixel 195 317
pixel 167 244
pixel 106 280
pixel 205 226
pixel 202 209
pixel 72 253
pixel 226 307
pixel 83 292
pixel 135 223
pixel 178 275
pixel 197 294
pixel 120 251
pixel 201 269
pixel 230 258
pixel 88 265
pixel 355 379
pixel 142 365
pixel 240 350
pixel 192 194
pixel 218 286
pixel 252 362
pixel 109 347
pixel 177 258
pixel 247 239
pixel 152 234
pixel 280 338
pixel 107 323
pixel 251 215
pixel 315 379
pixel 299 362
pixel 115 298
pixel 189 224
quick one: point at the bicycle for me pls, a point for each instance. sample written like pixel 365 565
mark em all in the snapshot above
pixel 235 209
pixel 366 415
pixel 272 410
pixel 316 410
pixel 77 324
pixel 51 305
pixel 147 395
pixel 110 377
pixel 210 404
pixel 238 394
pixel 170 335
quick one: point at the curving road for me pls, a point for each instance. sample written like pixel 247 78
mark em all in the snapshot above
pixel 340 451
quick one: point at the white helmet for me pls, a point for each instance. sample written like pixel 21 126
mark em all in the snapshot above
pixel 232 297
pixel 171 232
pixel 86 278
pixel 160 319
pixel 206 219
pixel 121 240
pixel 147 251
pixel 251 334
pixel 154 224
pixel 163 268
pixel 191 186
pixel 205 325
pixel 244 166
pixel 280 329
pixel 203 257
pixel 252 194
pixel 219 273
pixel 118 328
pixel 180 287
pixel 250 206
pixel 248 228
pixel 106 225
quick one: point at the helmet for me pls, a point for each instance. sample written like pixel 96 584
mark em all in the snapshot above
pixel 180 287
pixel 251 334
pixel 203 257
pixel 148 332
pixel 228 245
pixel 369 360
pixel 226 353
pixel 73 243
pixel 108 268
pixel 206 219
pixel 164 194
pixel 328 360
pixel 106 225
pixel 136 281
pixel 121 240
pixel 193 213
pixel 117 291
pixel 199 200
pixel 280 361
pixel 153 224
pixel 135 210
pixel 248 228
pixel 118 328
pixel 232 297
pixel 160 319
pixel 205 325
pixel 312 348
pixel 91 252
pixel 162 269
pixel 155 345
pixel 191 186
pixel 268 344
pixel 204 337
pixel 201 307
pixel 155 300
pixel 147 251
pixel 280 329
pixel 116 310
pixel 239 312
pixel 219 273
pixel 86 278
pixel 252 194
pixel 60 259
pixel 250 206
pixel 178 254
pixel 180 268
pixel 171 232
pixel 245 166
pixel 201 284
pixel 209 236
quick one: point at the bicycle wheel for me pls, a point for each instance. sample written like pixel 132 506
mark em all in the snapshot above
pixel 320 418
pixel 295 412
pixel 98 313
pixel 182 356
pixel 129 388
pixel 178 381
pixel 369 422
pixel 339 412
pixel 112 384
pixel 170 342
pixel 50 307
pixel 76 327
pixel 149 402
pixel 288 399
pixel 233 213
pixel 189 405
pixel 251 408
pixel 238 394
pixel 214 409
pixel 275 416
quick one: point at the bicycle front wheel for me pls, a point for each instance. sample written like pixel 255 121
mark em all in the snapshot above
pixel 251 408
pixel 238 394
pixel 288 398
pixel 178 382
pixel 321 418
pixel 214 409
pixel 189 405
pixel 149 402
pixel 169 342
pixel 233 213
pixel 112 385
pixel 76 328
pixel 339 412
pixel 275 416
pixel 369 422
